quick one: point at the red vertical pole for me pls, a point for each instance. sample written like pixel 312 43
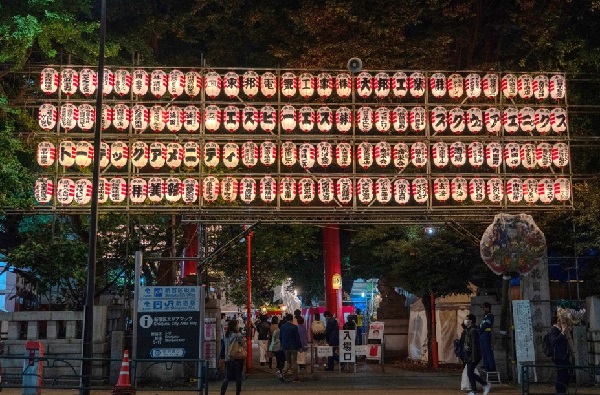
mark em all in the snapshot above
pixel 434 343
pixel 249 304
pixel 333 269
pixel 191 251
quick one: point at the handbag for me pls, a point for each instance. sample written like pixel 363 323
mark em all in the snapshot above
pixel 237 350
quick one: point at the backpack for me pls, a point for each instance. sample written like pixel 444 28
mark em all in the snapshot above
pixel 547 348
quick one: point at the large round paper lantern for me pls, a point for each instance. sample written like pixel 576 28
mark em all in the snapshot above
pixel 401 155
pixel 493 120
pixel 88 81
pixel 364 190
pixel 231 118
pixel 562 189
pixel 343 119
pixel 417 84
pixel 176 83
pixel 122 82
pixel 558 120
pixel 510 120
pixel 231 155
pixel 418 154
pixel 495 190
pixel 440 154
pixel 512 154
pixel 455 84
pixel 210 189
pixel 477 190
pixel 140 153
pixel 69 81
pixel 473 86
pixel 193 83
pixel 138 190
pixel 402 191
pixel 530 190
pixel 383 190
pixel 364 84
pixel 105 154
pixel 173 189
pixel 306 119
pixel 229 189
pixel 268 84
pixel 324 154
pixel 43 190
pixel 474 120
pixel 364 119
pixel 560 154
pixel 158 83
pixel 306 85
pixel 268 153
pixel 289 84
pixel 382 119
pixel 247 190
pixel 191 118
pixel 420 190
pixel 527 119
pixel 528 158
pixel 268 118
pixel 439 119
pixel 418 119
pixel 103 190
pixel 83 191
pixel 324 119
pixel 140 118
pixel 287 189
pixel 437 85
pixel 47 116
pixel 87 117
pixel 383 153
pixel 212 118
pixel 459 188
pixel 364 154
pixel 108 82
pixel 343 155
pixel 250 118
pixel 540 87
pixel 543 154
pixel 493 155
pixel 289 154
pixel 249 154
pixel 557 87
pixel 525 86
pixel 191 191
pixel 65 191
pixel 306 190
pixel 231 84
pixel 141 82
pixel 456 120
pixel 212 154
pixel 288 118
pixel 514 190
pixel 119 154
pixel 325 189
pixel 158 118
pixel 343 190
pixel 542 120
pixel 118 190
pixel 69 114
pixel 268 189
pixel 174 155
pixel 306 155
pixel 85 153
pixel 212 84
pixel 66 153
pixel 458 154
pixel 399 119
pixel 156 189
pixel 49 79
pixel 546 190
pixel 121 116
pixel 191 154
pixel 441 189
pixel 324 85
pixel 343 85
pixel 174 119
pixel 158 154
pixel 399 84
pixel 250 83
pixel 46 154
pixel 381 85
pixel 509 86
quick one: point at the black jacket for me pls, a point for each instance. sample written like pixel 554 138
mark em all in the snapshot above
pixel 471 347
pixel 559 344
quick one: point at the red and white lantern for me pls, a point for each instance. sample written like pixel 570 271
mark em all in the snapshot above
pixel 527 119
pixel 122 82
pixel 440 154
pixel 458 154
pixel 324 85
pixel 86 118
pixel 268 189
pixel 456 119
pixel 418 119
pixel 441 189
pixel 212 154
pixel 69 81
pixel 514 190
pixel 560 154
pixel 510 120
pixel 402 191
pixel 495 190
pixel 383 153
pixel 512 154
pixel 210 189
pixel 268 85
pixel 65 191
pixel 562 189
pixel 212 84
pixel 473 86
pixel 193 83
pixel 343 155
pixel 66 153
pixel 250 83
pixel 47 116
pixel 364 84
pixel 119 154
pixel 212 118
pixel 324 119
pixel 509 86
pixel 118 190
pixel 231 155
pixel 540 87
pixel 88 81
pixel 474 120
pixel 229 189
pixel 231 84
pixel 381 85
pixel 289 84
pixel 558 120
pixel 49 79
pixel 546 190
pixel 343 85
pixel 528 156
pixel 174 119
pixel 105 154
pixel 401 155
pixel 43 190
pixel 364 190
pixel 557 87
pixel 287 189
pixel 306 155
pixel 176 83
pixel 476 154
pixel 121 116
pixel 306 119
pixel 493 120
pixel 493 155
pixel 530 190
pixel 268 153
pixel 324 154
pixel 247 190
pixel 343 190
pixel 364 119
pixel 437 85
pixel 103 190
pixel 140 153
pixel 289 155
pixel 191 190
pixel 69 114
pixel 158 83
pixel 418 154
pixel 46 154
pixel 174 155
pixel 141 82
pixel 525 86
pixel 288 118
pixel 250 118
pixel 191 154
pixel 543 154
pixel 364 154
pixel 306 190
pixel 477 190
pixel 173 189
pixel 249 154
pixel 138 190
pixel 383 190
pixel 455 85
pixel 306 85
pixel 542 120
pixel 158 154
pixel 325 189
pixel 459 188
pixel 439 119
pixel 191 118
pixel 343 119
pixel 84 153
pixel 83 191
pixel 158 118
pixel 417 84
pixel 231 118
pixel 420 190
pixel 140 118
pixel 399 119
pixel 108 82
pixel 268 118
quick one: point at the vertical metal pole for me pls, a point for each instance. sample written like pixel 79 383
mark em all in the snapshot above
pixel 87 349
pixel 249 304
pixel 202 378
pixel 136 288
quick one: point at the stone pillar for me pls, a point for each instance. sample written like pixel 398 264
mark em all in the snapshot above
pixel 117 341
pixel 333 269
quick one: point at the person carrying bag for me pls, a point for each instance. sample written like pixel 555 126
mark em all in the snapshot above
pixel 235 353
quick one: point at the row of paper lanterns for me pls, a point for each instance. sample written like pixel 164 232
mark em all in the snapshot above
pixel 307 155
pixel 383 119
pixel 306 190
pixel 380 85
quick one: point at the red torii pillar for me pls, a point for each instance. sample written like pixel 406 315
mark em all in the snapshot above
pixel 333 270
pixel 190 251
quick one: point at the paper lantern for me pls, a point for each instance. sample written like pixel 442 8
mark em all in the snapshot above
pixel 383 190
pixel 542 120
pixel 364 154
pixel 306 85
pixel 489 84
pixel 382 119
pixel 108 82
pixel 156 189
pixel 268 85
pixel 528 158
pixel 174 119
pixel 289 84
pixel 88 81
pixel 190 191
pixel 176 83
pixel 343 155
pixel 420 190
pixel 476 154
pixel 65 191
pixel 229 189
pixel 493 120
pixel 250 118
pixel 122 82
pixel 530 190
pixel 231 84
pixel 512 154
pixel 212 154
pixel 268 153
pixel 493 155
pixel 510 120
pixel 325 189
pixel 509 86
pixel 401 155
pixel 439 119
pixel 174 155
pixel 364 119
pixel 47 116
pixel 437 85
pixel 324 119
pixel 324 154
pixel 191 154
pixel 306 190
pixel 324 85
pixel 417 84
pixel 381 85
pixel 193 83
pixel 557 87
pixel 560 154
pixel 86 117
pixel 472 86
pixel 546 190
pixel 364 190
pixel 212 84
pixel 250 83
pixel 158 154
pixel 399 84
pixel 69 81
pixel 231 155
pixel 210 189
pixel 343 119
pixel 287 189
pixel 527 119
pixel 140 83
pixel 458 154
pixel 514 190
pixel 306 119
pixel 267 189
pixel 190 116
pixel 118 190
pixel 69 114
pixel 562 189
pixel 343 85
pixel 103 190
pixel 418 154
pixel 46 154
pixel 418 119
pixel 84 154
pixel 249 154
pixel 456 120
pixel 306 155
pixel 158 118
pixel 455 84
pixel 540 87
pixel 459 189
pixel 288 118
pixel 121 116
pixel 477 190
pixel 343 190
pixel 289 155
pixel 364 84
pixel 402 190
pixel 247 190
pixel 383 153
pixel 140 117
pixel 440 154
pixel 495 190
pixel 441 189
pixel 212 118
pixel 525 86
pixel 119 154
pixel 105 154
pixel 268 118
pixel 399 119
pixel 66 153
pixel 49 79
pixel 43 190
pixel 558 120
pixel 231 118
pixel 474 119
pixel 138 190
pixel 543 154
pixel 158 83
pixel 173 189
pixel 83 191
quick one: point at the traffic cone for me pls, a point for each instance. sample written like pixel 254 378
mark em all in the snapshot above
pixel 123 386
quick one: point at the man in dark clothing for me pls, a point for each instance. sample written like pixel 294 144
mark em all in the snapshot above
pixel 332 335
pixel 485 336
pixel 472 355
pixel 264 334
pixel 561 354
pixel 290 343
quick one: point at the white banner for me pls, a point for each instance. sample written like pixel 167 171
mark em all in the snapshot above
pixel 324 351
pixel 361 350
pixel 347 341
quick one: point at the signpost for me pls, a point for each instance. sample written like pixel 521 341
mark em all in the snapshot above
pixel 523 334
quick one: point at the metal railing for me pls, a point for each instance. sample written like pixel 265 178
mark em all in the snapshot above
pixel 589 375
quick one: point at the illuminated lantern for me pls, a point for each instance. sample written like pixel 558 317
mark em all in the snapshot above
pixel 108 82
pixel 103 190
pixel 456 120
pixel 420 190
pixel 46 154
pixel 65 191
pixel 324 154
pixel 399 84
pixel 193 83
pixel 514 190
pixel 476 154
pixel 249 154
pixel 364 190
pixel 343 190
pixel 437 85
pixel 158 83
pixel 158 154
pixel 121 116
pixel 557 87
pixel 47 116
pixel 477 190
pixel 141 82
pixel 458 154
pixel 558 120
pixel 84 154
pixel 83 191
pixel 562 189
pixel 510 120
pixel 247 190
pixel 530 190
pixel 525 86
pixel 455 84
pixel 324 85
pixel 287 189
pixel 210 189
pixel 343 119
pixel 156 189
pixel 364 119
pixel 543 154
pixel 119 154
pixel 231 118
pixel 324 119
pixel 173 189
pixel 158 118
pixel 528 158
pixel 417 84
pixel 191 154
pixel 325 189
pixel 542 120
pixel 288 118
pixel 401 155
pixel 176 83
pixel 343 155
pixel 306 85
pixel 88 81
pixel 267 189
pixel 546 190
pixel 489 83
pixel 527 119
pixel 69 81
pixel 250 83
pixel 250 118
pixel 364 154
pixel 306 119
pixel 268 84
pixel 191 118
pixel 540 87
pixel 66 153
pixel 441 189
pixel 306 190
pixel 268 118
pixel 140 118
pixel 212 154
pixel 122 82
pixel 268 153
pixel 140 153
pixel 174 155
pixel 512 154
pixel 439 119
pixel 383 153
pixel 49 79
pixel 43 190
pixel 229 189
pixel 138 189
pixel 495 190
pixel 69 114
pixel 473 86
pixel 231 84
pixel 343 85
pixel 402 191
pixel 417 119
pixel 306 155
pixel 105 155
pixel 212 84
pixel 87 117
pixel 459 189
pixel 381 85
pixel 560 154
pixel 190 191
pixel 493 155
pixel 383 190
pixel 418 154
pixel 399 118
pixel 440 155
pixel 509 86
pixel 382 119
pixel 212 118
pixel 493 120
pixel 364 84
pixel 474 119
pixel 118 190
pixel 231 155
pixel 289 155
pixel 289 84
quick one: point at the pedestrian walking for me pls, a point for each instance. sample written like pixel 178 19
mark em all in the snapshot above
pixel 263 328
pixel 304 341
pixel 472 355
pixel 561 355
pixel 233 367
pixel 485 337
pixel 332 335
pixel 290 342
pixel 275 348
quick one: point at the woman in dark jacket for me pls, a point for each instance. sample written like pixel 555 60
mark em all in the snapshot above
pixel 472 354
pixel 233 367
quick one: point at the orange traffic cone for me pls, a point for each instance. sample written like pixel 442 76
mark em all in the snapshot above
pixel 123 386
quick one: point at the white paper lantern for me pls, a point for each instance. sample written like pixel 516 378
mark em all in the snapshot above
pixel 383 153
pixel 121 116
pixel 343 155
pixel 267 189
pixel 250 118
pixel 557 87
pixel 210 189
pixel 191 154
pixel 437 85
pixel 140 153
pixel 231 84
pixel 105 154
pixel 473 86
pixel 66 153
pixel 122 82
pixel 88 81
pixel 324 85
pixel 287 189
pixel 229 189
pixel 69 114
pixel 325 189
pixel 514 190
pixel 343 190
pixel 156 189
pixel 546 190
pixel 364 190
pixel 231 118
pixel 268 153
pixel 212 118
pixel 191 118
pixel 212 84
pixel 543 154
pixel 364 154
pixel 83 191
pixel 401 155
pixel 542 120
pixel 540 87
pixel 477 190
pixel 249 154
pixel 138 190
pixel 158 118
pixel 158 154
pixel 440 155
pixel 191 191
pixel 495 190
pixel 558 120
pixel 441 189
pixel 250 83
pixel 212 154
pixel 108 82
pixel 103 190
pixel 49 79
pixel 324 154
pixel 489 84
pixel 47 116
pixel 158 83
pixel 476 154
pixel 84 154
pixel 324 119
pixel 141 82
pixel 456 120
pixel 399 84
pixel 65 191
pixel 306 190
pixel 140 118
pixel 420 190
pixel 289 84
pixel 86 117
pixel 459 188
pixel 268 85
pixel 43 190
pixel 525 86
pixel 343 119
pixel 562 189
pixel 247 190
pixel 418 119
pixel 364 119
pixel 173 189
pixel 174 119
pixel 530 190
pixel 417 84
pixel 193 84
pixel 343 85
pixel 119 154
pixel 512 154
pixel 364 84
pixel 288 118
pixel 493 155
pixel 69 81
pixel 268 118
pixel 418 154
pixel 289 155
pixel 231 155
pixel 458 154
pixel 493 120
pixel 383 190
pixel 402 191
pixel 306 119
pixel 174 155
pixel 382 119
pixel 527 119
pixel 118 190
pixel 528 158
pixel 439 119
pixel 306 85
pixel 176 83
pixel 306 155
pixel 560 154
pixel 455 85
pixel 399 118
pixel 45 154
pixel 474 120
pixel 510 120
pixel 509 86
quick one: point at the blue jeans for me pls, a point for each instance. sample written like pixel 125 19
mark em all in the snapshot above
pixel 487 355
